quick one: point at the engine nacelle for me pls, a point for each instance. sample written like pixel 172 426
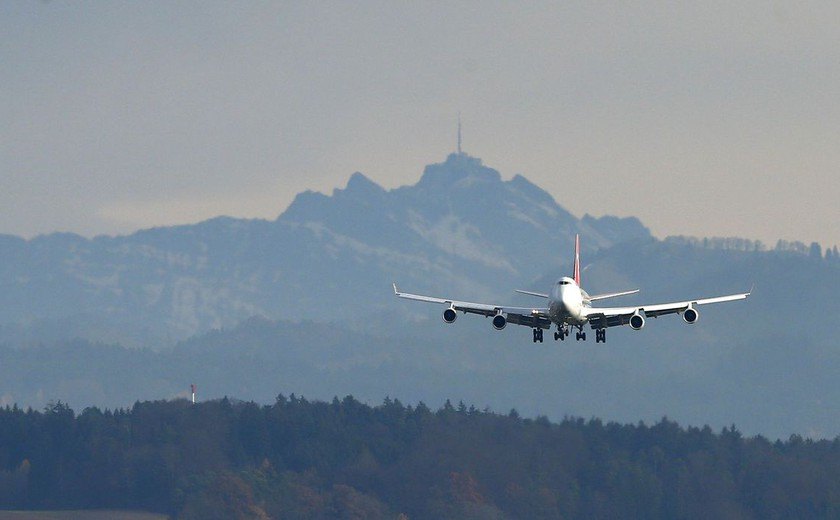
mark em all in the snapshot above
pixel 449 315
pixel 637 321
pixel 691 315
pixel 499 322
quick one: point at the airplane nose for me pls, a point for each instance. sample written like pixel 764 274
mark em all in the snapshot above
pixel 566 298
pixel 570 303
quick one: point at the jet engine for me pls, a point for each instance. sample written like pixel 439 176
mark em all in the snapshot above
pixel 637 321
pixel 449 315
pixel 499 322
pixel 690 315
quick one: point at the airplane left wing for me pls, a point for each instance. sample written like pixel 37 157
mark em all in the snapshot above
pixel 611 295
pixel 602 317
pixel 529 316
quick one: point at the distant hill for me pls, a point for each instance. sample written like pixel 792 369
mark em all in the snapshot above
pixel 737 365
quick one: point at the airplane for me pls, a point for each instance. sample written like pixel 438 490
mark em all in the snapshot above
pixel 570 307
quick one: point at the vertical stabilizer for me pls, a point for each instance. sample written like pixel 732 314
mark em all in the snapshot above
pixel 577 260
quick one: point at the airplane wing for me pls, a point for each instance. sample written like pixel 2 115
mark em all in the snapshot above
pixel 528 316
pixel 611 295
pixel 602 317
pixel 532 293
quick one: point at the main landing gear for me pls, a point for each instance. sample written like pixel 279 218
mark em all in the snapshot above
pixel 564 331
pixel 538 335
pixel 600 335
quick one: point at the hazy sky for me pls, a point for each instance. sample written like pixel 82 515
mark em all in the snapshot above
pixel 706 118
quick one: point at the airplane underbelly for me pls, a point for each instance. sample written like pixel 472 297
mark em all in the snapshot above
pixel 559 313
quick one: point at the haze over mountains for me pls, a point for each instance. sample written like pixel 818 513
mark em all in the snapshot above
pixel 320 275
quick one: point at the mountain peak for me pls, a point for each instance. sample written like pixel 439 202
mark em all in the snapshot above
pixel 359 184
pixel 457 168
pixel 461 158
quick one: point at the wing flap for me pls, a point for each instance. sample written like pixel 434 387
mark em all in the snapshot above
pixel 539 321
pixel 601 321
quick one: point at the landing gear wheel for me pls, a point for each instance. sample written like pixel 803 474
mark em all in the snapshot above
pixel 601 336
pixel 538 335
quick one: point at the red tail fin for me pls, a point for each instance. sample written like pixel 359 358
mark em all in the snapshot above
pixel 577 260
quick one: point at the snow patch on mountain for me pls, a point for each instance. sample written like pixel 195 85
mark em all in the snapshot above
pixel 461 239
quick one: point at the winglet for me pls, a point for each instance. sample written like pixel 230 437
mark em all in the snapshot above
pixel 396 292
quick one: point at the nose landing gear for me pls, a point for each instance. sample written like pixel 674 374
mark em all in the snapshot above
pixel 561 333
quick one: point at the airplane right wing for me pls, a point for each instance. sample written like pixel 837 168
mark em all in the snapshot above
pixel 602 317
pixel 536 317
pixel 532 293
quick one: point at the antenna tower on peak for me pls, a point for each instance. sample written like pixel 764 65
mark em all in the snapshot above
pixel 459 133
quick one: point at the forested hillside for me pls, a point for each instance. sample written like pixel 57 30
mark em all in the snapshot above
pixel 742 364
pixel 307 459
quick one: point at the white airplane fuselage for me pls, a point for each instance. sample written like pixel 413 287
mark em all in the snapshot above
pixel 566 301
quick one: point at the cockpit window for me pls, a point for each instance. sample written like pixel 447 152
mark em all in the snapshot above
pixel 563 282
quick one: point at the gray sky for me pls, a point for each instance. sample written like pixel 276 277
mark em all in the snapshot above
pixel 719 118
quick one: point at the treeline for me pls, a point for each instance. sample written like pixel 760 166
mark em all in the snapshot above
pixel 344 459
pixel 815 251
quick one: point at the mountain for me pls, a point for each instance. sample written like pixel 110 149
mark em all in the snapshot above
pixel 461 228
